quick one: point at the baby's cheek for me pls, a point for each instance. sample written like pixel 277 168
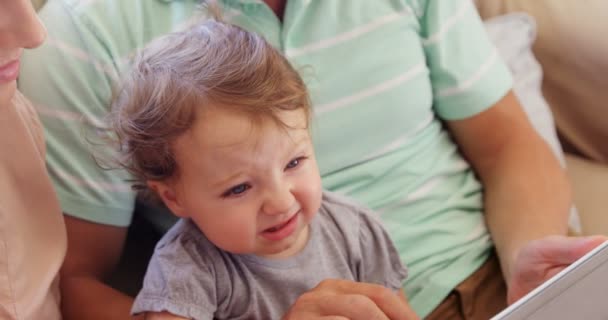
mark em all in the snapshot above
pixel 317 191
pixel 313 201
pixel 236 236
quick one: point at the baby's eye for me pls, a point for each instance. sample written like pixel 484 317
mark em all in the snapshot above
pixel 236 190
pixel 294 163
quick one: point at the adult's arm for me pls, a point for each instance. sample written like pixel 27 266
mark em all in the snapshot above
pixel 93 252
pixel 526 194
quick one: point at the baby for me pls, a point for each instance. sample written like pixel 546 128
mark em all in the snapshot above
pixel 215 122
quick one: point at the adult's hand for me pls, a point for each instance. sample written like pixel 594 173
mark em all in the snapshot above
pixel 542 259
pixel 349 300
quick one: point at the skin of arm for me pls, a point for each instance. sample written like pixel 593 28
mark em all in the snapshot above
pixel 93 252
pixel 526 193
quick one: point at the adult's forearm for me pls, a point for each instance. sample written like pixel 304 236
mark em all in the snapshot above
pixel 527 196
pixel 84 297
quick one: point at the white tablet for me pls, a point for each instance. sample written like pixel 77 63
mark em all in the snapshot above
pixel 578 292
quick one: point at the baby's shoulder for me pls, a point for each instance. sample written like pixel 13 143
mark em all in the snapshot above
pixel 346 216
pixel 344 209
pixel 185 242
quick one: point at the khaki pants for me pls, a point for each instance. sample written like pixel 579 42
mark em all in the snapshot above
pixel 479 297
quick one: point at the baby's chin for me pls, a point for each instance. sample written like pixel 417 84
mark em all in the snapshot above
pixel 286 249
pixel 279 253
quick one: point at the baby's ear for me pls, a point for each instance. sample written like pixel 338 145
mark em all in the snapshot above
pixel 169 196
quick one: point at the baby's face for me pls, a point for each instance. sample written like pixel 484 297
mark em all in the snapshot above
pixel 250 188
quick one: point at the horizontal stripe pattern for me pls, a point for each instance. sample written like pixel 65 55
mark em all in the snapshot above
pixel 84 56
pixel 449 23
pixel 351 35
pixel 97 185
pixel 371 91
pixel 472 80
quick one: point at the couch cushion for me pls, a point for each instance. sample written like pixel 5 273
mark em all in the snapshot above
pixel 590 182
pixel 572 49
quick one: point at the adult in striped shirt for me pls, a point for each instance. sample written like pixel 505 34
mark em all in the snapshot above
pixel 414 117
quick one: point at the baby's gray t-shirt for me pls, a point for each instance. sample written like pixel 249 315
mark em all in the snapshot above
pixel 190 277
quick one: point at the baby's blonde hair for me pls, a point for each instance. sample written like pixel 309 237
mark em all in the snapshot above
pixel 212 63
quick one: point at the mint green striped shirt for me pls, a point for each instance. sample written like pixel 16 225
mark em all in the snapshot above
pixel 383 75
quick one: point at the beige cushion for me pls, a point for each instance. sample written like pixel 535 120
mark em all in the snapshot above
pixel 590 184
pixel 572 49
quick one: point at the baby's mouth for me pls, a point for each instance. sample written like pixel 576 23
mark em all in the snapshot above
pixel 280 226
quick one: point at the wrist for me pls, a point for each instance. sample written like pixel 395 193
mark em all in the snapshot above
pixel 508 258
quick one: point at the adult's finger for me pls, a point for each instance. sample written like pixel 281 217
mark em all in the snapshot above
pixel 352 306
pixel 387 301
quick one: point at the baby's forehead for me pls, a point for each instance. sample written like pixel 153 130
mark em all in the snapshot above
pixel 216 154
pixel 216 129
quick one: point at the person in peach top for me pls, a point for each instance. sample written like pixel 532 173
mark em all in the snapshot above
pixel 32 232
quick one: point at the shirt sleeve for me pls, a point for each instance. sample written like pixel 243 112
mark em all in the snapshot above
pixel 179 280
pixel 380 262
pixel 69 80
pixel 467 73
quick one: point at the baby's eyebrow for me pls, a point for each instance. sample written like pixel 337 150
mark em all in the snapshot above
pixel 222 182
pixel 298 142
